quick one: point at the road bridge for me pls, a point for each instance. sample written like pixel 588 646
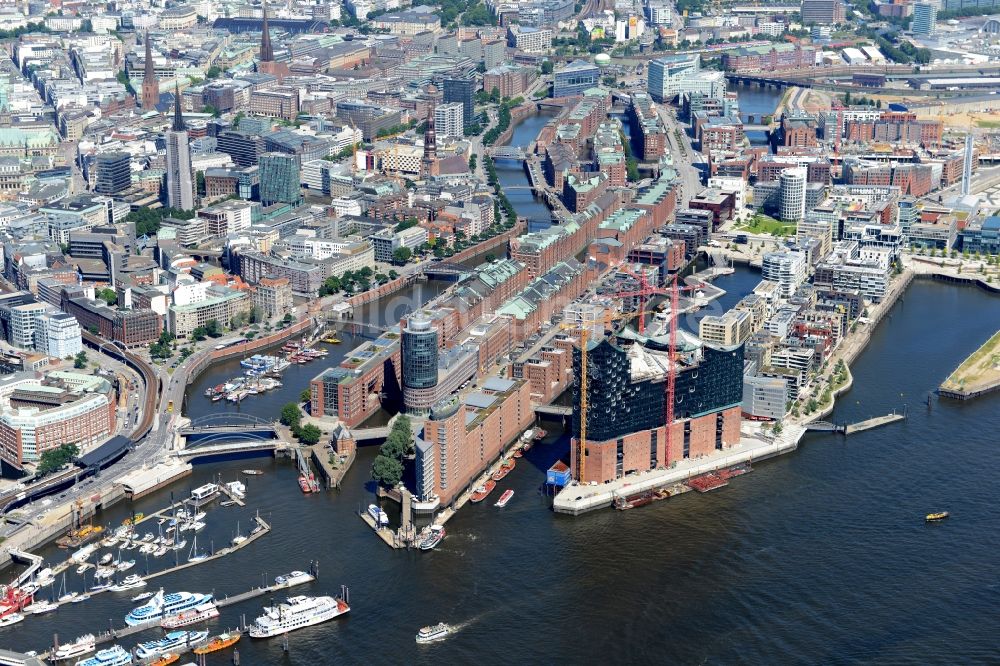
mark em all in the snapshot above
pixel 223 427
pixel 256 446
pixel 443 270
pixel 506 153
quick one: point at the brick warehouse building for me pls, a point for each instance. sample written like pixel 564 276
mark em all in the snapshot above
pixel 627 409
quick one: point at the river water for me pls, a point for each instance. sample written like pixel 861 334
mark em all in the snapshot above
pixel 819 556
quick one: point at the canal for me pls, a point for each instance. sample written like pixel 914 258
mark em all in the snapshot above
pixel 820 556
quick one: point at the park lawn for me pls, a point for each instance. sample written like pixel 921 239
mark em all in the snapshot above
pixel 763 224
pixel 988 124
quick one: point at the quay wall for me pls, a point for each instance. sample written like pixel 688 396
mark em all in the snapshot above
pixel 517 114
pixel 250 346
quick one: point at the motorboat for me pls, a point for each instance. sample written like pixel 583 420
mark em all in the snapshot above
pixel 82 597
pixel 293 578
pixel 125 566
pixel 220 642
pixel 40 607
pixel 129 583
pixel 142 596
pixel 173 640
pixel 505 498
pixel 934 517
pixel 436 536
pixel 437 632
pixel 10 618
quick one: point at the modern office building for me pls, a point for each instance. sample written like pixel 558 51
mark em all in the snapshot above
pixel 419 353
pixel 574 78
pixel 449 120
pixel 626 397
pixel 731 328
pixel 61 335
pixel 114 173
pixel 764 398
pixel 793 194
pixel 180 180
pixel 461 90
pixel 279 179
pixel 667 77
pixel 823 12
pixel 529 40
pixel 786 268
pixel 924 19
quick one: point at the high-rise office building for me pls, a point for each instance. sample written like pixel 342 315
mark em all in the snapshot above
pixel 924 18
pixel 449 120
pixel 823 12
pixel 420 352
pixel 180 183
pixel 793 194
pixel 150 85
pixel 114 173
pixel 279 179
pixel 464 91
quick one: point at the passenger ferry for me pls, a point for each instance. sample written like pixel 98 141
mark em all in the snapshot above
pixel 203 612
pixel 296 613
pixel 115 655
pixel 173 640
pixel 435 537
pixel 81 646
pixel 165 605
pixel 430 634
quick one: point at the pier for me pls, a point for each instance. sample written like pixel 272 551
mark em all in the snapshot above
pixel 978 374
pixel 860 426
pixel 333 475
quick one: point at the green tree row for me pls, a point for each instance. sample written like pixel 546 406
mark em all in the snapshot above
pixel 387 468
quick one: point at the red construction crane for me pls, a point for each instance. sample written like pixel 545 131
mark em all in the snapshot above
pixel 646 289
pixel 672 356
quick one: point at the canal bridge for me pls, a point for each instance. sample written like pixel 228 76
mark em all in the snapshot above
pixel 444 270
pixel 227 427
pixel 507 153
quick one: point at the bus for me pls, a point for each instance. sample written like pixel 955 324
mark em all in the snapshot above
pixel 170 406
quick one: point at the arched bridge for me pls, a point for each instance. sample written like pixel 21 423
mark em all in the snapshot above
pixel 228 426
pixel 506 153
pixel 443 270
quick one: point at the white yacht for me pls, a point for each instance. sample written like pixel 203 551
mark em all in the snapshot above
pixel 435 633
pixel 174 639
pixel 164 606
pixel 81 646
pixel 293 578
pixel 296 613
pixel 129 583
pixel 10 618
pixel 84 553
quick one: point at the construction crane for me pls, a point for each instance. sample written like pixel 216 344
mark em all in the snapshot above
pixel 644 292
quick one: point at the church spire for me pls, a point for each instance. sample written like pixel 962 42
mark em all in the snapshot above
pixel 178 116
pixel 266 51
pixel 150 86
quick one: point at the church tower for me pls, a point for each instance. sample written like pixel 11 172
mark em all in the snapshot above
pixel 150 86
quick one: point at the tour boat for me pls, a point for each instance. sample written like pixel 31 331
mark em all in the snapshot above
pixel 161 605
pixel 304 484
pixel 435 633
pixel 380 516
pixel 296 613
pixel 293 578
pixel 129 583
pixel 200 613
pixel 40 607
pixel 115 655
pixel 220 642
pixel 502 502
pixel 10 618
pixel 504 469
pixel 940 515
pixel 173 640
pixel 81 646
pixel 435 537
pixel 483 491
pixel 166 659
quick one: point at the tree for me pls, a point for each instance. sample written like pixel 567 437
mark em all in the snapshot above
pixel 56 458
pixel 388 472
pixel 777 428
pixel 213 72
pixel 291 415
pixel 547 67
pixel 212 328
pixel 309 434
pixel 108 295
pixel 401 255
pixel 80 360
pixel 287 318
pixel 305 395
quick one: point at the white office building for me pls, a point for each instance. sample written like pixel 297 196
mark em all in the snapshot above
pixel 793 194
pixel 61 335
pixel 449 120
pixel 764 397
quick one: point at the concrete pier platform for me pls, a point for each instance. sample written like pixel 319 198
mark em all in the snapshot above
pixel 876 422
pixel 754 445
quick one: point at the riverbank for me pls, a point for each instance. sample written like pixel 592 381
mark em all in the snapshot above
pixel 978 374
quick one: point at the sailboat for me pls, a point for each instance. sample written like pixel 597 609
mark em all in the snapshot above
pixel 239 538
pixel 64 595
pixel 193 554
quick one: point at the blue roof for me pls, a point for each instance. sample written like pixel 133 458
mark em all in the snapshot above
pixel 480 400
pixel 992 222
pixel 498 384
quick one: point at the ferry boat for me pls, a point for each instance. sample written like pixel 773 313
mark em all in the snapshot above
pixel 436 633
pixel 505 468
pixel 483 491
pixel 293 578
pixel 934 517
pixel 171 641
pixel 203 612
pixel 435 537
pixel 115 655
pixel 129 583
pixel 166 659
pixel 502 502
pixel 161 605
pixel 220 642
pixel 81 646
pixel 380 516
pixel 296 613
pixel 10 618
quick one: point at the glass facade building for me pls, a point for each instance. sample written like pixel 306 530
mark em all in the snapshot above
pixel 464 91
pixel 420 353
pixel 279 179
